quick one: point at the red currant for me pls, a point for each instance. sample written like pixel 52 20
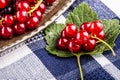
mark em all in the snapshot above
pixel 101 35
pixel 38 14
pixel 3 4
pixel 96 27
pixel 90 45
pixel 8 19
pixel 24 5
pixel 82 37
pixel 32 22
pixel 70 31
pixel 62 34
pixel 42 7
pixel 73 46
pixel 19 28
pixel 6 32
pixel 62 43
pixel 32 1
pixel 21 16
pixel 1 26
pixel 85 26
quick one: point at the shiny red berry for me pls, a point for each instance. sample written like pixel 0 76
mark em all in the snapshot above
pixel 3 4
pixel 6 32
pixel 73 46
pixel 62 43
pixel 8 19
pixel 85 26
pixel 96 27
pixel 90 45
pixel 62 34
pixel 70 31
pixel 42 7
pixel 23 5
pixel 19 28
pixel 82 37
pixel 101 35
pixel 38 14
pixel 21 16
pixel 32 22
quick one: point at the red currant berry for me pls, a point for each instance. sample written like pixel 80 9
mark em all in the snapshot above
pixel 82 37
pixel 21 16
pixel 50 1
pixel 96 27
pixel 73 46
pixel 24 5
pixel 101 35
pixel 62 43
pixel 32 1
pixel 3 4
pixel 42 7
pixel 1 26
pixel 70 31
pixel 62 34
pixel 90 45
pixel 38 14
pixel 19 28
pixel 32 22
pixel 85 26
pixel 8 19
pixel 6 32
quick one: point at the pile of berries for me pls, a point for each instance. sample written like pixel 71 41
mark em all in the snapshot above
pixel 74 40
pixel 17 16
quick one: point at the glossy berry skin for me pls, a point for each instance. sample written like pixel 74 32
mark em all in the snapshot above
pixel 42 7
pixel 62 43
pixel 32 22
pixel 23 5
pixel 50 1
pixel 101 35
pixel 1 26
pixel 70 31
pixel 3 4
pixel 32 1
pixel 6 32
pixel 85 26
pixel 19 28
pixel 82 37
pixel 62 34
pixel 90 45
pixel 96 27
pixel 38 14
pixel 21 16
pixel 73 46
pixel 8 19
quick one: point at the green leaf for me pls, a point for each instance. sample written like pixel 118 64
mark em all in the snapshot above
pixel 111 28
pixel 81 14
pixel 52 34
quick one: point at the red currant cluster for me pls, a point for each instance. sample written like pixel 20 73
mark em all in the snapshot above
pixel 23 15
pixel 74 40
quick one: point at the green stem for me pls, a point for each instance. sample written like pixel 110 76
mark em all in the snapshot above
pixel 36 6
pixel 79 66
pixel 95 37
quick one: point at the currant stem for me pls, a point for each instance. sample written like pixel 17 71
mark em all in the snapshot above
pixel 100 40
pixel 79 65
pixel 36 6
pixel 1 20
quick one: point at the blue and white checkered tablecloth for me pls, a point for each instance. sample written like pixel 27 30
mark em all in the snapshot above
pixel 30 60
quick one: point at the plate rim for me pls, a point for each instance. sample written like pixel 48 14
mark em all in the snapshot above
pixel 40 28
